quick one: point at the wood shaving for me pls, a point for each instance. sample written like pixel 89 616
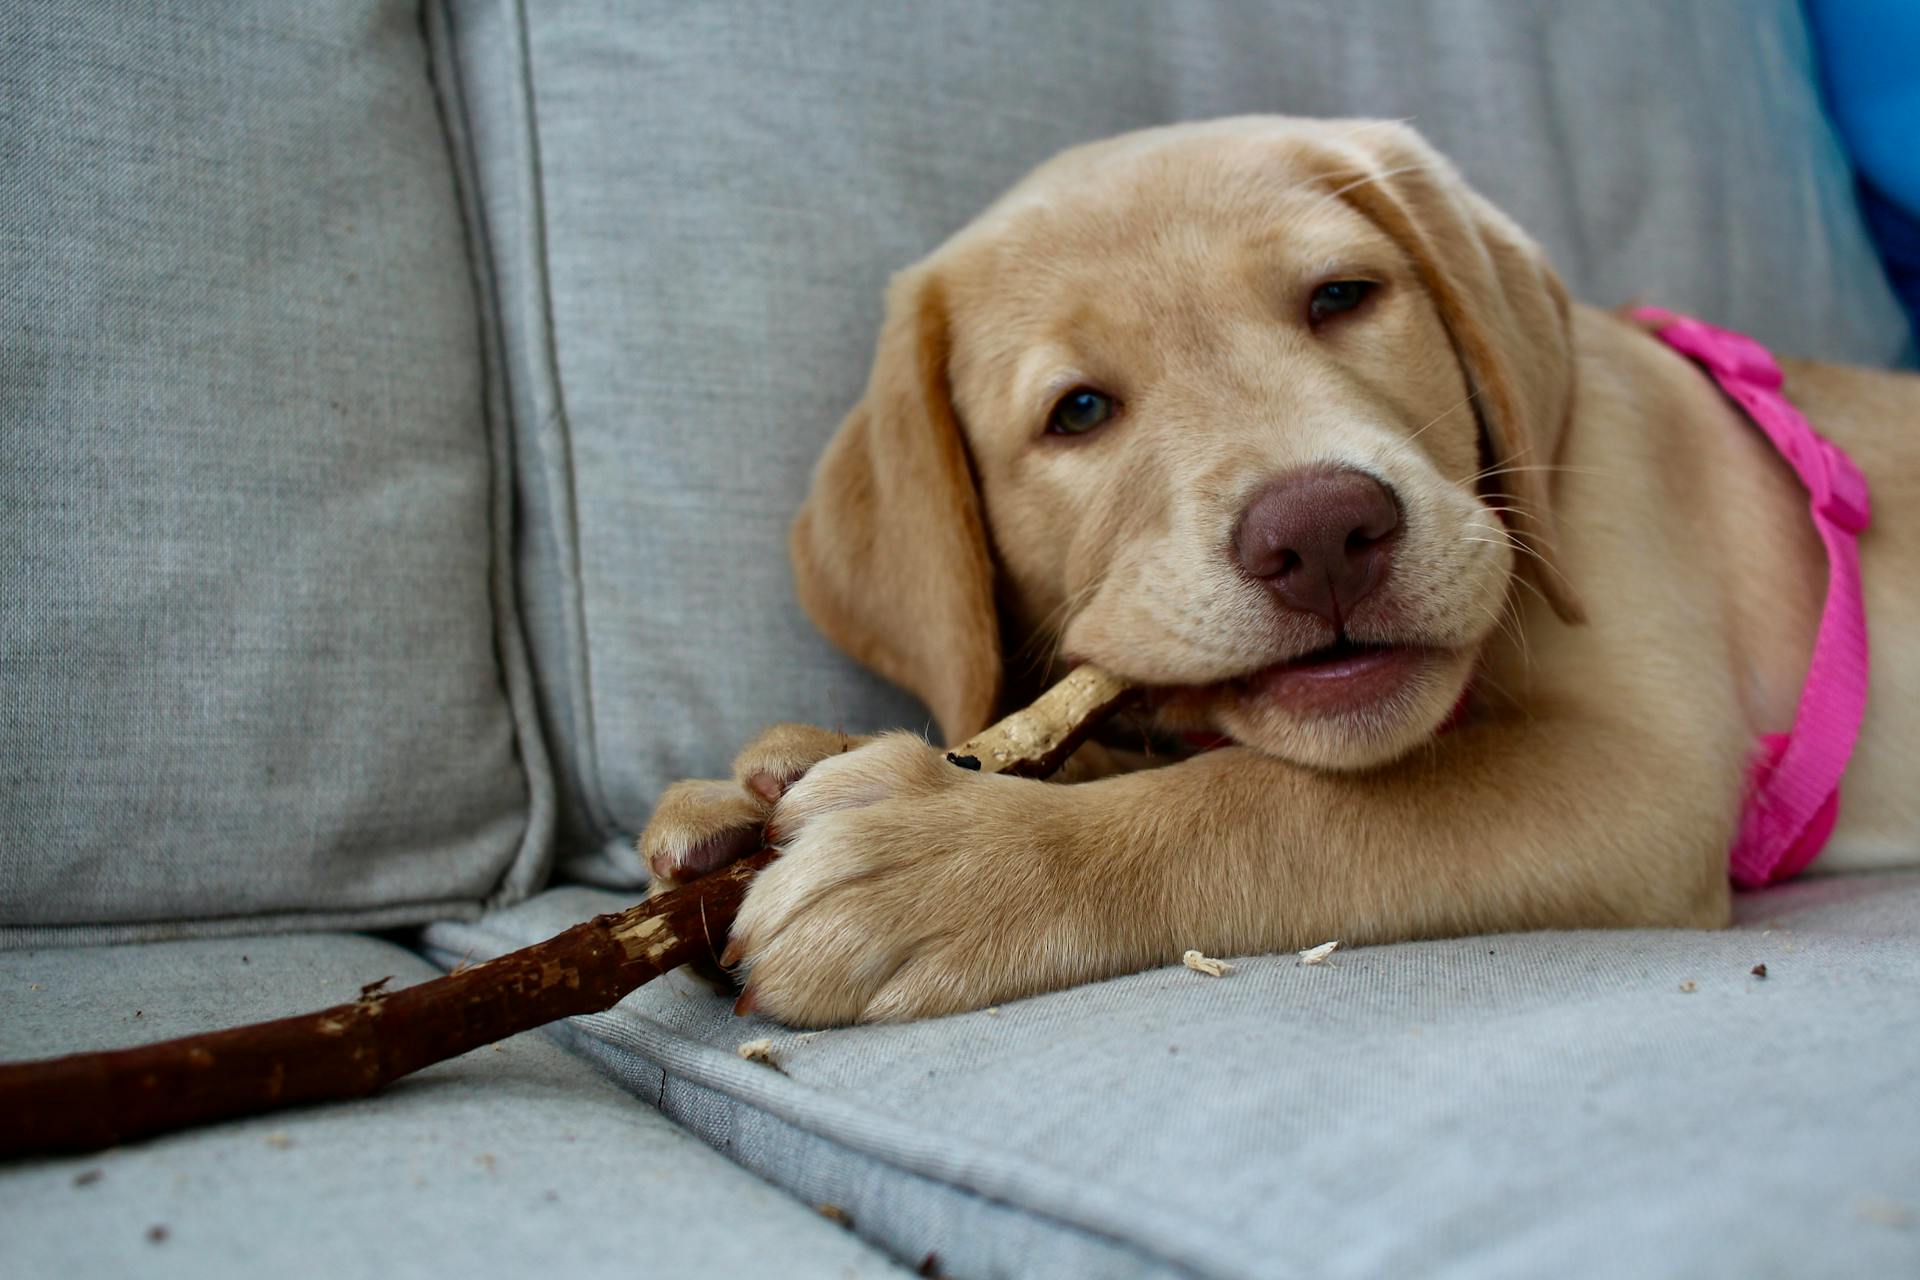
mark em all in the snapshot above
pixel 1759 971
pixel 1688 986
pixel 834 1213
pixel 278 1141
pixel 1883 1212
pixel 760 1051
pixel 1319 954
pixel 1206 964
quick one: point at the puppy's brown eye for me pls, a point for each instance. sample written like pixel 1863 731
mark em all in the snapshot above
pixel 1335 297
pixel 1079 411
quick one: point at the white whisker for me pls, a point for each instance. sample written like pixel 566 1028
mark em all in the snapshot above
pixel 1511 541
pixel 1366 178
pixel 1505 468
pixel 1469 398
pixel 1509 625
pixel 1048 632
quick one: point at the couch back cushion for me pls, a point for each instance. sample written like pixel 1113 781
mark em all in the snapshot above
pixel 253 666
pixel 692 212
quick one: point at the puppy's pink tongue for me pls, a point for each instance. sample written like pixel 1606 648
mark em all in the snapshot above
pixel 1337 681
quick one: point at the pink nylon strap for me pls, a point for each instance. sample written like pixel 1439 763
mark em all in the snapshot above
pixel 1793 793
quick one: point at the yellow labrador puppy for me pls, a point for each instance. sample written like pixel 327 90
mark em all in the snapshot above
pixel 1486 594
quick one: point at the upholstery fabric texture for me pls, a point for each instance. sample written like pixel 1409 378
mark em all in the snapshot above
pixel 1592 1104
pixel 259 662
pixel 519 1160
pixel 690 215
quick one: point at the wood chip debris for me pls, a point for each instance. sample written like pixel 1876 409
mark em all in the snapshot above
pixel 1883 1212
pixel 1206 964
pixel 1688 987
pixel 760 1051
pixel 278 1140
pixel 1319 954
pixel 1759 971
pixel 834 1213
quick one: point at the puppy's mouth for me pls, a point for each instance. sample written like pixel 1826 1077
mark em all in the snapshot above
pixel 1345 678
pixel 1342 678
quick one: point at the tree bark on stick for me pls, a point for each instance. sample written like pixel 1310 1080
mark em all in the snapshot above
pixel 88 1101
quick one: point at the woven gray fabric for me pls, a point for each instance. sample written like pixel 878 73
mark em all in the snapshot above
pixel 1583 1104
pixel 691 213
pixel 515 1161
pixel 258 659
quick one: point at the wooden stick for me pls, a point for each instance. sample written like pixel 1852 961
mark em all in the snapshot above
pixel 87 1101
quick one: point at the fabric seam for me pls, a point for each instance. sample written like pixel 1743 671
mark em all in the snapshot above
pixel 783 1099
pixel 418 912
pixel 532 861
pixel 596 1051
pixel 591 784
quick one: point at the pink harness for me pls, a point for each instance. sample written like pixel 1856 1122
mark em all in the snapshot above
pixel 1793 784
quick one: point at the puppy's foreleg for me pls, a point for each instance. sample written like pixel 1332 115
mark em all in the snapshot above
pixel 1518 825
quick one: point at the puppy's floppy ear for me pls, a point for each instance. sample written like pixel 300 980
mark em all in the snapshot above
pixel 1503 307
pixel 889 549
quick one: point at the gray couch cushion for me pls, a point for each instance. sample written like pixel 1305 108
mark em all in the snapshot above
pixel 691 212
pixel 515 1161
pixel 258 661
pixel 1570 1104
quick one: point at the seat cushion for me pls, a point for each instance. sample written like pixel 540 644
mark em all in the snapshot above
pixel 259 664
pixel 1580 1104
pixel 690 214
pixel 517 1160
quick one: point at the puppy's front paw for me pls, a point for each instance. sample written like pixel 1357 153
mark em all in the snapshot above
pixel 703 824
pixel 699 826
pixel 907 887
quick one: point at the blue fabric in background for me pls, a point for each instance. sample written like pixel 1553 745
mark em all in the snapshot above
pixel 1870 68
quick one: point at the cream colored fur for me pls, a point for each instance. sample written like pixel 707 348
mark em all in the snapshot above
pixel 1629 591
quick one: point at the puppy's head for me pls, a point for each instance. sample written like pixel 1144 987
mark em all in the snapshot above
pixel 1257 412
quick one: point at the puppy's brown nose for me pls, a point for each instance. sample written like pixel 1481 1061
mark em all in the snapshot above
pixel 1321 538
